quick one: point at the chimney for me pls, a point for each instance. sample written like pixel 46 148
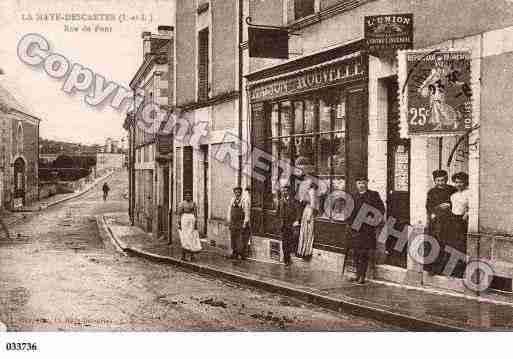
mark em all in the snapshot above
pixel 146 36
pixel 165 30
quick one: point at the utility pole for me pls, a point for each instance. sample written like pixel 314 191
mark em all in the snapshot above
pixel 241 69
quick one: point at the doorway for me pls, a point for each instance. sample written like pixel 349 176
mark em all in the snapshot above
pixel 398 176
pixel 19 180
pixel 164 220
pixel 204 154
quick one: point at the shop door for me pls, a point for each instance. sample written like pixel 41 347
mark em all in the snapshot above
pixel 149 200
pixel 398 183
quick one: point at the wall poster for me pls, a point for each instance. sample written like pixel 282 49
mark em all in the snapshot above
pixel 435 92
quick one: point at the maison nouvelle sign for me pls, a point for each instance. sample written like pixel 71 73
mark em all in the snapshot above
pixel 385 33
pixel 343 71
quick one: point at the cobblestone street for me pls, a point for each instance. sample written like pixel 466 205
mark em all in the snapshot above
pixel 58 274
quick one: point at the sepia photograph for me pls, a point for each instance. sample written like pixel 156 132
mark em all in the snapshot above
pixel 291 168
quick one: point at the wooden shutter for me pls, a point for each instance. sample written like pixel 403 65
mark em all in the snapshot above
pixel 187 169
pixel 357 137
pixel 203 65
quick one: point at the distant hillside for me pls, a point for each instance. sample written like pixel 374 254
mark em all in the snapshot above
pixel 70 148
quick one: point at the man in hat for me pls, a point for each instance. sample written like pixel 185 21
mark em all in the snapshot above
pixel 363 240
pixel 238 218
pixel 289 212
pixel 438 207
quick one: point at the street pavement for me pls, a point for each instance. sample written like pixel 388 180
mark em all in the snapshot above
pixel 409 307
pixel 57 273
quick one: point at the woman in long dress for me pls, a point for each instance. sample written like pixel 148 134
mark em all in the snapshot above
pixel 189 237
pixel 459 226
pixel 306 233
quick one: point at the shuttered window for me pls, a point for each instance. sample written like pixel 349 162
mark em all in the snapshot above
pixel 187 170
pixel 203 65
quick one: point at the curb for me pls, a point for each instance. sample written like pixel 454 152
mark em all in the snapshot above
pixel 103 227
pixel 337 304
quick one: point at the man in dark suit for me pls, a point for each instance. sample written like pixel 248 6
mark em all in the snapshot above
pixel 363 238
pixel 289 213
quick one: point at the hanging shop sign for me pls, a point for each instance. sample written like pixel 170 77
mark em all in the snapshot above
pixel 268 43
pixel 344 71
pixel 387 33
pixel 435 92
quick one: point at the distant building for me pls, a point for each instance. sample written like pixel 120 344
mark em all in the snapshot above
pixel 108 145
pixel 106 161
pixel 19 152
pixel 115 146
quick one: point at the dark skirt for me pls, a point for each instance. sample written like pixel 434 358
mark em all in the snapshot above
pixel 364 239
pixel 458 240
pixel 450 231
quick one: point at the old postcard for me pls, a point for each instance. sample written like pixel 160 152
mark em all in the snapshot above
pixel 255 165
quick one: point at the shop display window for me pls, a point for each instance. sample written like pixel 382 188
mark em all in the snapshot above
pixel 308 133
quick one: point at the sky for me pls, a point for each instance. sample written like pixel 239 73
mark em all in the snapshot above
pixel 116 55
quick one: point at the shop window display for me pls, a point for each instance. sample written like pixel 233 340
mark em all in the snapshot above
pixel 310 134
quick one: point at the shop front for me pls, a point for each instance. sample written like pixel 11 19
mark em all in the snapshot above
pixel 309 114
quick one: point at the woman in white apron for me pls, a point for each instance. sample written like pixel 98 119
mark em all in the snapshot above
pixel 189 236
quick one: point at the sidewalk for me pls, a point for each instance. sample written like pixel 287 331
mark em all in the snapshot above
pixel 414 309
pixel 59 198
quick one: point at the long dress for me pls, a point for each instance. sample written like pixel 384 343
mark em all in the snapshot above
pixel 458 228
pixel 439 224
pixel 306 233
pixel 189 237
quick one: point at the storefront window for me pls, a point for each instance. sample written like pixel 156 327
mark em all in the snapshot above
pixel 309 116
pixel 307 133
pixel 298 117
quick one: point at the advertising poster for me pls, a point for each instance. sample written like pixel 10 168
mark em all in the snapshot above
pixel 435 92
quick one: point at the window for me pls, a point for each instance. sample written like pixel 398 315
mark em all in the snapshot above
pixel 303 8
pixel 309 133
pixel 203 65
pixel 19 138
pixel 2 158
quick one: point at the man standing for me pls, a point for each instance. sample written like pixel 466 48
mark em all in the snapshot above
pixel 238 219
pixel 106 190
pixel 363 240
pixel 438 207
pixel 289 213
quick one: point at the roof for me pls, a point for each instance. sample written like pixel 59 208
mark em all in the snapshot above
pixel 9 102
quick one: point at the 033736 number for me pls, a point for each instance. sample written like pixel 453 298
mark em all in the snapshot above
pixel 19 346
pixel 418 116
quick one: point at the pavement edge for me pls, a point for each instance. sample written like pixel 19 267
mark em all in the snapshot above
pixel 105 231
pixel 278 287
